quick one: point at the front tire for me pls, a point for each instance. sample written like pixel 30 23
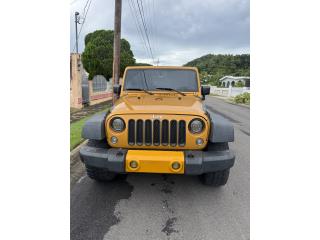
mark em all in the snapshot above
pixel 100 174
pixel 218 178
pixel 215 179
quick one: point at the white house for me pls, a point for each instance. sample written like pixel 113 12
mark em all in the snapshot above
pixel 226 81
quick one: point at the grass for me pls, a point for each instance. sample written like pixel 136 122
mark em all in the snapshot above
pixel 76 129
pixel 75 133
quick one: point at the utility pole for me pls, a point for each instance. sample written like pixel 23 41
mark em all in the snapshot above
pixel 116 44
pixel 76 20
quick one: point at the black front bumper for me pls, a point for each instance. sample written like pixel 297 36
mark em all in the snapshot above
pixel 196 162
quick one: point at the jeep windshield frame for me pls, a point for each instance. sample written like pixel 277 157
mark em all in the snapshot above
pixel 153 79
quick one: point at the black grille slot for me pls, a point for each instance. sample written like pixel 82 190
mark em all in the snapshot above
pixel 165 132
pixel 139 137
pixel 147 132
pixel 182 133
pixel 156 132
pixel 173 133
pixel 131 132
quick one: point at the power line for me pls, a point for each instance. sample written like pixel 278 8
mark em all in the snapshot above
pixel 84 18
pixel 137 24
pixel 147 18
pixel 147 30
pixel 145 27
pixel 151 25
pixel 85 6
pixel 155 33
pixel 141 29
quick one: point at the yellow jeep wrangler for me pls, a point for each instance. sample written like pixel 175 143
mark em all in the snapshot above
pixel 159 124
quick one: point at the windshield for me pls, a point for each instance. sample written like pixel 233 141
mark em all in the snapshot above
pixel 183 80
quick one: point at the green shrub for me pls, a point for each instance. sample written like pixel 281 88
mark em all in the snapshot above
pixel 242 98
pixel 239 84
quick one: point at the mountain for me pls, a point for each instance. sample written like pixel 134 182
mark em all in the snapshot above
pixel 212 67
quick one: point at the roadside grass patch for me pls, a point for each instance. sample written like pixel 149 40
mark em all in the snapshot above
pixel 76 129
pixel 243 98
pixel 75 133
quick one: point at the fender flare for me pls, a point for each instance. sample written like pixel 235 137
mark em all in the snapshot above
pixel 221 128
pixel 94 127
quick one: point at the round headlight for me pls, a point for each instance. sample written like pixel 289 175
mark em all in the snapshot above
pixel 117 124
pixel 196 126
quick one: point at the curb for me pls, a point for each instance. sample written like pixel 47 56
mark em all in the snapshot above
pixel 238 104
pixel 227 101
pixel 76 167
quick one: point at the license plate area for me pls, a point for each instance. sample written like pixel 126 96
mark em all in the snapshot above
pixel 152 161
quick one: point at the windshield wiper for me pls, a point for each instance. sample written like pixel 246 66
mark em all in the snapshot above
pixel 171 89
pixel 139 89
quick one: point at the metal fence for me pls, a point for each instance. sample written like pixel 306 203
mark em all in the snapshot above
pixel 99 83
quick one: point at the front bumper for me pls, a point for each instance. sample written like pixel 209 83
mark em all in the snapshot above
pixel 195 162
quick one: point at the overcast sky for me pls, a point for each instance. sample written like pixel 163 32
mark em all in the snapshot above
pixel 179 30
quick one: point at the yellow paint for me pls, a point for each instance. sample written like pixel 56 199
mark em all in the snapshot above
pixel 161 105
pixel 153 161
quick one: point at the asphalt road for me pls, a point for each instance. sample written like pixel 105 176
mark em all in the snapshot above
pixel 169 206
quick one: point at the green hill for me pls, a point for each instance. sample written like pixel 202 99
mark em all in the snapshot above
pixel 212 67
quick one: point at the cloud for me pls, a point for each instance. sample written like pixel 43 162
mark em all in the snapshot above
pixel 179 30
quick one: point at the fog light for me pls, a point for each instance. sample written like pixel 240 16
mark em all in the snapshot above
pixel 175 165
pixel 133 164
pixel 199 141
pixel 114 140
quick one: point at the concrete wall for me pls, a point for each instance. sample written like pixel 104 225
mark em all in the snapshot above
pixel 228 92
pixel 76 73
pixel 99 97
pixel 75 81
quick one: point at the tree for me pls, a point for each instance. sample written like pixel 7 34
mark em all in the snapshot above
pixel 143 64
pixel 97 57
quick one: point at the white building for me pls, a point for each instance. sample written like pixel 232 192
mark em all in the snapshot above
pixel 227 81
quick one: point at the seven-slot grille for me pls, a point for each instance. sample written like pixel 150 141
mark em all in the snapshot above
pixel 156 132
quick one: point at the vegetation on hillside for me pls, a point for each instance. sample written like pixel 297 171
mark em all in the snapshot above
pixel 212 67
pixel 97 57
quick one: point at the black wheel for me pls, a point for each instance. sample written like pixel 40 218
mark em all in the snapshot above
pixel 218 178
pixel 215 179
pixel 100 174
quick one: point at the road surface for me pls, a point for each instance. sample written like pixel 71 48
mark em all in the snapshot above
pixel 169 206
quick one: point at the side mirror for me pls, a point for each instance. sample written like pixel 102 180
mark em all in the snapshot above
pixel 117 89
pixel 205 90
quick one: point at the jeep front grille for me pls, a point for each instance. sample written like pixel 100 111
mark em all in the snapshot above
pixel 156 132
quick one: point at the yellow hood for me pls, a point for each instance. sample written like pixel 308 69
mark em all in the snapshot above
pixel 164 103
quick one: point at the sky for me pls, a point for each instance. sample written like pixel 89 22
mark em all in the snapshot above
pixel 178 30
